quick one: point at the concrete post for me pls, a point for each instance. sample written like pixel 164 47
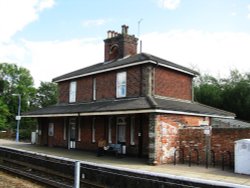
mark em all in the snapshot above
pixel 77 174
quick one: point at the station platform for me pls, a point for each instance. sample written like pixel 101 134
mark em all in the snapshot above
pixel 214 175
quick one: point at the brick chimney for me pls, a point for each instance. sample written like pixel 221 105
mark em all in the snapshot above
pixel 119 45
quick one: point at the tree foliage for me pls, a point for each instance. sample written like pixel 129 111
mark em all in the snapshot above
pixel 46 94
pixel 18 80
pixel 231 94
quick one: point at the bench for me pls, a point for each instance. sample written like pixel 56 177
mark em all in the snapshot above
pixel 115 148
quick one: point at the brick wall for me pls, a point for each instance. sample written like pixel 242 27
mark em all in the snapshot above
pixel 133 81
pixel 101 126
pixel 141 80
pixel 126 45
pixel 191 139
pixel 170 83
pixel 170 134
pixel 63 90
pixel 105 86
pixel 84 89
pixel 222 140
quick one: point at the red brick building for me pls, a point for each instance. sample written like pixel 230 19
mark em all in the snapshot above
pixel 135 99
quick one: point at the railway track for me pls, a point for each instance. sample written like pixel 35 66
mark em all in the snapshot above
pixel 59 172
pixel 43 175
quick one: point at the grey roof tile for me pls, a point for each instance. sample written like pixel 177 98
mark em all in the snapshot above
pixel 141 103
pixel 229 123
pixel 121 62
pixel 190 107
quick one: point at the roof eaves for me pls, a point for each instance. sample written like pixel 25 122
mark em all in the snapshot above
pixel 143 58
pixel 104 70
pixel 223 111
pixel 171 65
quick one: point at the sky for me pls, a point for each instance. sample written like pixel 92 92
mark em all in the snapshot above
pixel 54 37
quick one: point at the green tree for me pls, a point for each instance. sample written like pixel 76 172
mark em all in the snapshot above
pixel 236 94
pixel 46 95
pixel 208 91
pixel 4 111
pixel 230 94
pixel 15 80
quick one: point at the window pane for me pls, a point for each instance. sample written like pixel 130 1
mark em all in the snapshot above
pixel 121 133
pixel 72 124
pixel 123 90
pixel 72 92
pixel 79 129
pixel 64 129
pixel 110 131
pixel 132 131
pixel 93 130
pixel 94 89
pixel 121 84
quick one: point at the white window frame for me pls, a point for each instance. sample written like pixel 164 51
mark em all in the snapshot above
pixel 79 129
pixel 93 130
pixel 51 129
pixel 132 131
pixel 121 127
pixel 110 130
pixel 94 89
pixel 72 91
pixel 121 84
pixel 73 124
pixel 65 129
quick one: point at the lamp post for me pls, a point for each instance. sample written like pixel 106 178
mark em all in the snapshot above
pixel 18 117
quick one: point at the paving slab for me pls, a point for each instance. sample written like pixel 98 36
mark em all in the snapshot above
pixel 179 170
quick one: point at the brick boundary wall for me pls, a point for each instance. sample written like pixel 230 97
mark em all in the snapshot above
pixel 192 140
pixel 222 141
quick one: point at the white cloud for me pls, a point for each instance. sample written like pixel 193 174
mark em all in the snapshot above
pixel 169 4
pixel 15 15
pixel 97 22
pixel 44 4
pixel 213 53
pixel 12 53
pixel 54 58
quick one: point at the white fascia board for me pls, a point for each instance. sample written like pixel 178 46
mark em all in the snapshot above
pixel 106 70
pixel 51 115
pixel 125 66
pixel 117 112
pixel 151 111
pixel 193 114
pixel 130 112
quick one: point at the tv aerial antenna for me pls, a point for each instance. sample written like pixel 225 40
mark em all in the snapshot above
pixel 139 30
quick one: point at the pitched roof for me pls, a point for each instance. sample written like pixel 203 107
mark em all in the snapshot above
pixel 137 59
pixel 229 123
pixel 130 106
pixel 191 107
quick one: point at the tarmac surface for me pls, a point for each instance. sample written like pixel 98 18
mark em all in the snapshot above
pixel 214 175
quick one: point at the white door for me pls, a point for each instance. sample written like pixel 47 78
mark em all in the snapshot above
pixel 72 132
pixel 121 130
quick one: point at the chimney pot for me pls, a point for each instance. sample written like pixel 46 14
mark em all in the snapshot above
pixel 124 29
pixel 109 34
